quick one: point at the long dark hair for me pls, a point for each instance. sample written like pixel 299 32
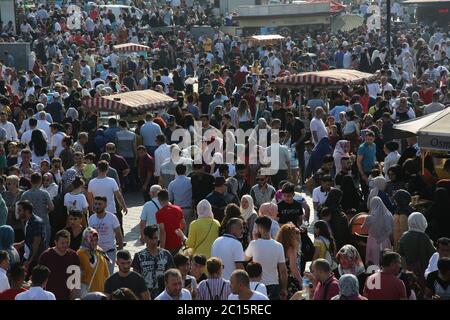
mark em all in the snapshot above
pixel 38 143
pixel 324 231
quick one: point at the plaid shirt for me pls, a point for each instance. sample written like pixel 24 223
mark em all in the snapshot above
pixel 33 228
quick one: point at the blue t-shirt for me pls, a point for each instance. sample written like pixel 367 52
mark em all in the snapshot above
pixel 369 155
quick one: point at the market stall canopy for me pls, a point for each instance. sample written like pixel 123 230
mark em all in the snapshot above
pixel 329 78
pixel 134 101
pixel 266 39
pixel 433 130
pixel 131 47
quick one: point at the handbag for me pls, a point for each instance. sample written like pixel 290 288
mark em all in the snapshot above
pixel 190 251
pixel 85 289
pixel 307 247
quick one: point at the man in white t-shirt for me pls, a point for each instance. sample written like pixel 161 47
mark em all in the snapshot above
pixel 108 228
pixel 270 254
pixel 39 279
pixel 320 194
pixel 56 139
pixel 103 186
pixel 240 287
pixel 148 214
pixel 318 129
pixel 174 287
pixel 254 270
pixel 229 249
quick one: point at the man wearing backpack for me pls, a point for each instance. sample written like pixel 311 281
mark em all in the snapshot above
pixel 215 287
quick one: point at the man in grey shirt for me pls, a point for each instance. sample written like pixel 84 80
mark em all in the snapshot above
pixel 262 192
pixel 180 193
pixel 149 131
pixel 434 106
pixel 315 101
pixel 42 204
pixel 126 147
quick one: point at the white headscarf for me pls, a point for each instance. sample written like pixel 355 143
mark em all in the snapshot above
pixel 378 184
pixel 417 222
pixel 339 152
pixel 204 209
pixel 375 54
pixel 247 213
pixel 380 221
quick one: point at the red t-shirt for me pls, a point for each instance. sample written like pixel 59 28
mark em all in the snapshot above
pixel 388 287
pixel 426 96
pixel 146 164
pixel 171 217
pixel 60 267
pixel 327 290
pixel 11 294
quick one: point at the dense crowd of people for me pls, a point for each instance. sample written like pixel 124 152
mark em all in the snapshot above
pixel 221 229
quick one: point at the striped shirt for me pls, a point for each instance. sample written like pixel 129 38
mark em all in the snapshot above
pixel 210 288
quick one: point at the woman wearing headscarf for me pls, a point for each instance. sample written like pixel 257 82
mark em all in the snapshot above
pixel 338 223
pixel 203 231
pixel 376 61
pixel 378 190
pixel 6 244
pixel 438 215
pixel 315 161
pixel 67 179
pixel 415 246
pixel 249 215
pixel 93 263
pixel 341 150
pixel 349 288
pixel 350 262
pixel 380 225
pixel 402 200
pixel 365 65
pixel 269 209
pixel 351 196
pixel 408 63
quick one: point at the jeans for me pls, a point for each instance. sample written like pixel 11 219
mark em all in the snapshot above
pixel 130 179
pixel 112 260
pixel 188 217
pixel 300 150
pixel 365 187
pixel 273 291
pixel 146 194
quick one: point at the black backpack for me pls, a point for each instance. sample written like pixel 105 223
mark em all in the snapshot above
pixel 216 297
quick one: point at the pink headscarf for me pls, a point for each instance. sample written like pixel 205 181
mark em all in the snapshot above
pixel 269 209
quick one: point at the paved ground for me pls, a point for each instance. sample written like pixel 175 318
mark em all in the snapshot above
pixel 135 203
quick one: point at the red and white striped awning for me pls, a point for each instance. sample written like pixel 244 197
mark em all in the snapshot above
pixel 266 39
pixel 131 47
pixel 337 77
pixel 133 101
